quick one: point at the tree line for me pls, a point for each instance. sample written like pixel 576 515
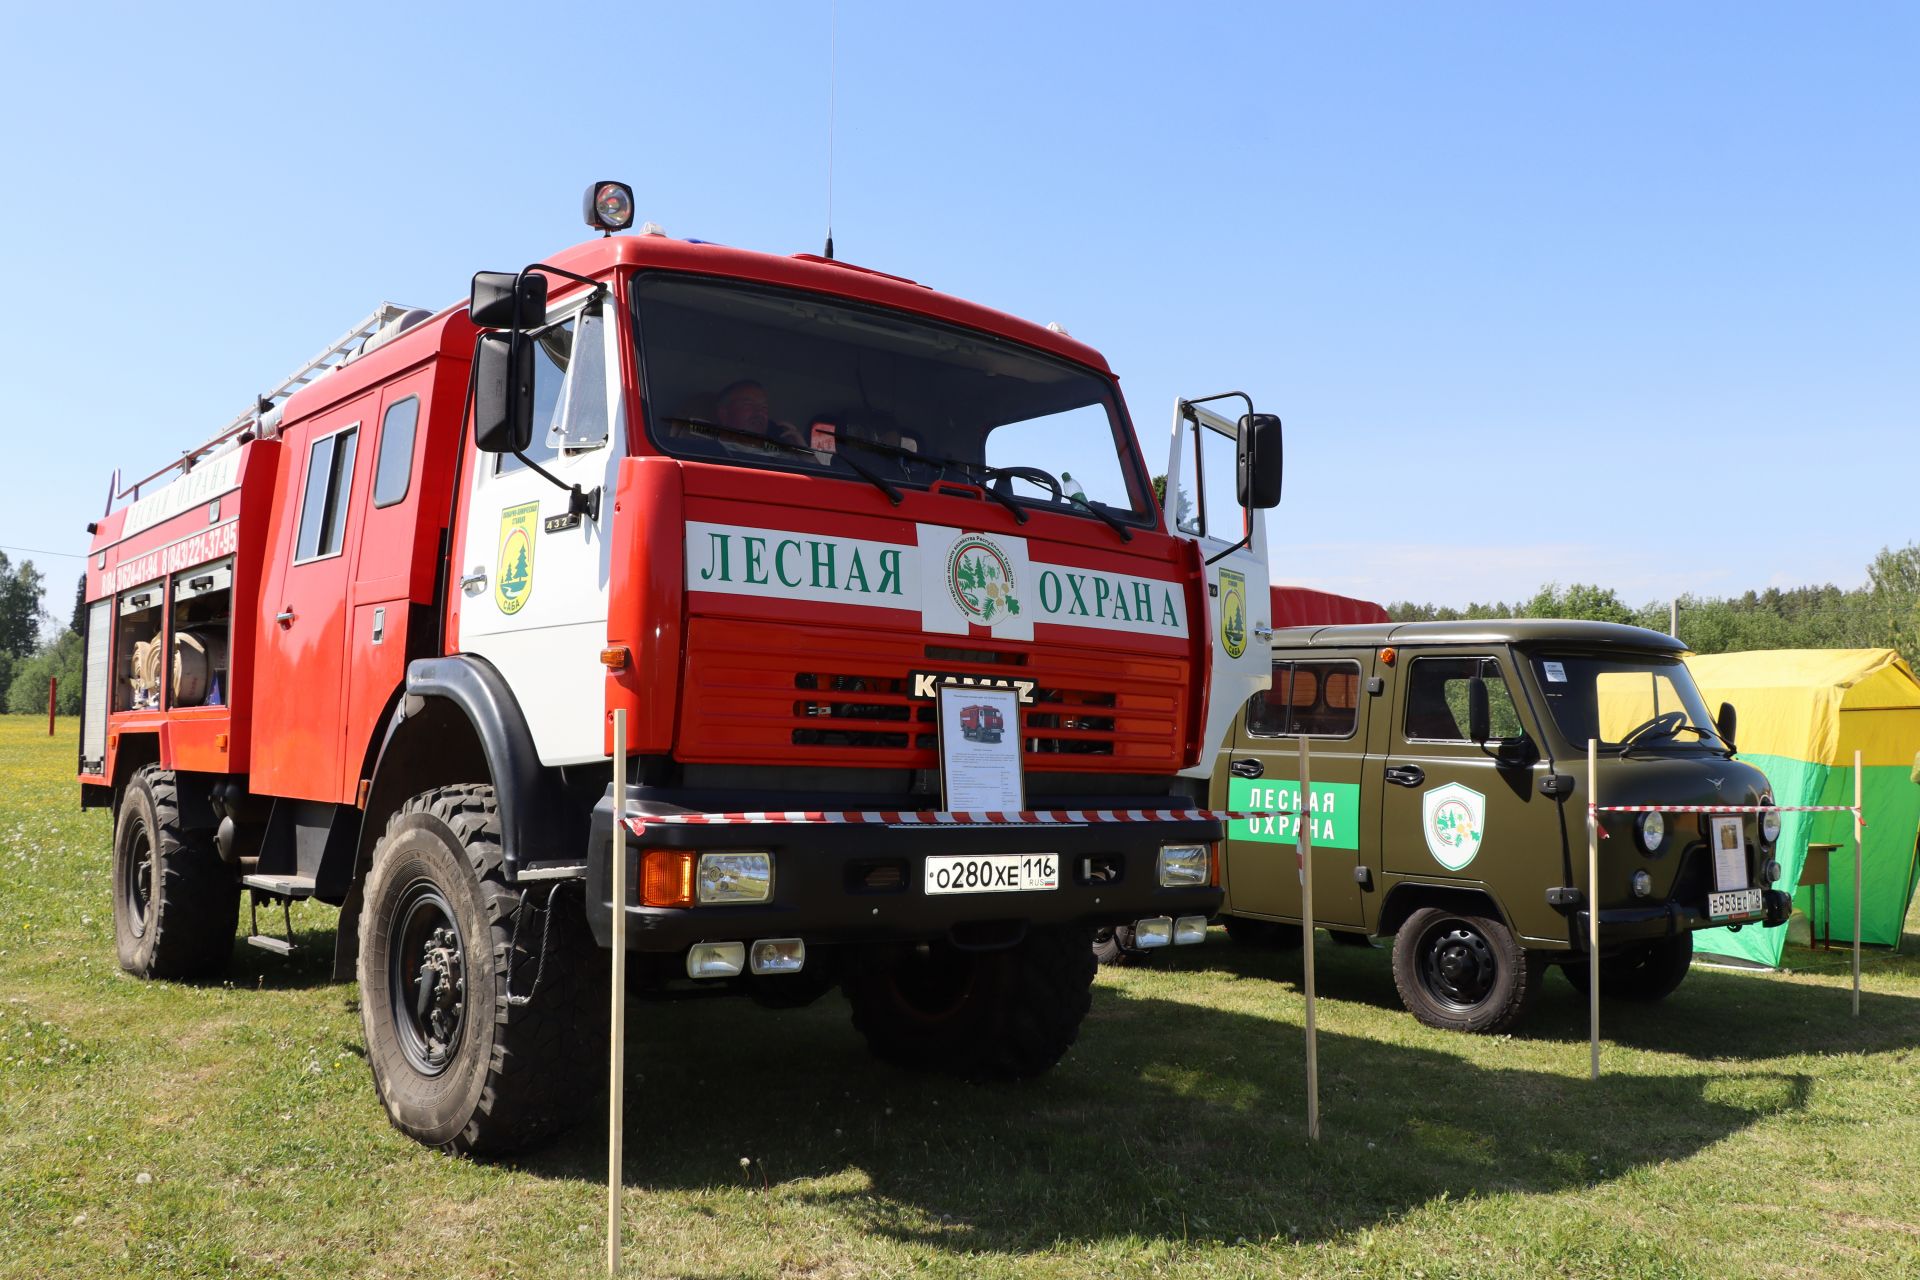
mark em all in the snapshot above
pixel 1883 614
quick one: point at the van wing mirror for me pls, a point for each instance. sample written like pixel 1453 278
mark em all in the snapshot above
pixel 1258 461
pixel 502 393
pixel 1726 723
pixel 508 300
pixel 1479 711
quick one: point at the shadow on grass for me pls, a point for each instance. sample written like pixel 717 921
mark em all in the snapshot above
pixel 1169 1121
pixel 1714 1016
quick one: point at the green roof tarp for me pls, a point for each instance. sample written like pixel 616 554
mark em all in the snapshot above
pixel 1803 713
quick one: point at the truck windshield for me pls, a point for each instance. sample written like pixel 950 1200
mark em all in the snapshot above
pixel 760 377
pixel 1625 701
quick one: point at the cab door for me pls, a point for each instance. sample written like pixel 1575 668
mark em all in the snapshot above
pixel 1457 810
pixel 1319 697
pixel 1203 505
pixel 299 677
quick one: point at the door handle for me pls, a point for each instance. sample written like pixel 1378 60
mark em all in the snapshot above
pixel 1407 775
pixel 1248 769
pixel 475 579
pixel 284 617
pixel 1263 633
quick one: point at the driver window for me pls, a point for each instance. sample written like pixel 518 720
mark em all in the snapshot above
pixel 1208 504
pixel 1437 700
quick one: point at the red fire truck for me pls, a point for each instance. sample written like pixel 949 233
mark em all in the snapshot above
pixel 982 723
pixel 365 647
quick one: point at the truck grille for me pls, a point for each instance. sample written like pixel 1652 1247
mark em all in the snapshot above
pixel 814 695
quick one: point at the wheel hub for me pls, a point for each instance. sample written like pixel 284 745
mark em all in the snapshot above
pixel 427 979
pixel 1459 965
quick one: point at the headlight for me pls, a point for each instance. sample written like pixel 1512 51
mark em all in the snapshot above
pixel 1642 885
pixel 1770 823
pixel 1184 865
pixel 1653 831
pixel 734 877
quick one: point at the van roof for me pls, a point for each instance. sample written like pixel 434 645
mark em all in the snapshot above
pixel 1604 635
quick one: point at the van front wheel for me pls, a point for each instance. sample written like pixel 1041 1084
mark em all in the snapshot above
pixel 1463 971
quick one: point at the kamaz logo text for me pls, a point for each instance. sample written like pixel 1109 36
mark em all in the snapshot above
pixel 926 684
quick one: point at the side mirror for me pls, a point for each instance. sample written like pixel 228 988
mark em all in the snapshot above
pixel 507 300
pixel 1258 461
pixel 1479 712
pixel 1726 723
pixel 502 393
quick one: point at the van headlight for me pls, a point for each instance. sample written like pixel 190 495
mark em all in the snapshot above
pixel 1184 865
pixel 733 877
pixel 1653 831
pixel 1770 823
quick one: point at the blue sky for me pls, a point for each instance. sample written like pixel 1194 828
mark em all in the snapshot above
pixel 1623 293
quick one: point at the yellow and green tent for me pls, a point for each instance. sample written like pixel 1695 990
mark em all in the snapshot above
pixel 1802 715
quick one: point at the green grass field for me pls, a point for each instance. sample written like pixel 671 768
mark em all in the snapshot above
pixel 1748 1127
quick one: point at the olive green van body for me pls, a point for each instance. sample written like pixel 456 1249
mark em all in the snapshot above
pixel 1409 813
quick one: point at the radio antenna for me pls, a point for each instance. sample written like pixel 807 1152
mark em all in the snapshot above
pixel 833 68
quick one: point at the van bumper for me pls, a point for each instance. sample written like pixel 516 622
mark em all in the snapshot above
pixel 846 883
pixel 1669 919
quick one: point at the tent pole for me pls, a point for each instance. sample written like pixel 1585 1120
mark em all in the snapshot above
pixel 1593 906
pixel 1859 866
pixel 1303 843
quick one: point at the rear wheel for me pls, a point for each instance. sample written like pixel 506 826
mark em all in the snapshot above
pixel 1464 971
pixel 175 903
pixel 457 1063
pixel 1649 972
pixel 1003 1014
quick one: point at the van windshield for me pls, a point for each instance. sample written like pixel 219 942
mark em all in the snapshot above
pixel 768 378
pixel 1625 701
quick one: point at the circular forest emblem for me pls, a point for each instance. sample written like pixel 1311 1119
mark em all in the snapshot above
pixel 980 578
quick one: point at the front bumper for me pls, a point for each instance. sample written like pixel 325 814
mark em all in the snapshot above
pixel 1668 919
pixel 824 877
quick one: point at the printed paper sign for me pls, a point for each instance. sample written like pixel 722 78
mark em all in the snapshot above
pixel 1334 812
pixel 980 750
pixel 1556 672
pixel 1729 855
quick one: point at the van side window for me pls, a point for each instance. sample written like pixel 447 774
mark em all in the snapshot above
pixel 323 508
pixel 1318 699
pixel 393 466
pixel 1437 699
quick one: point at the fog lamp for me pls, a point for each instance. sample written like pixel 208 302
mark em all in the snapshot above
pixel 716 959
pixel 734 877
pixel 609 206
pixel 1188 930
pixel 1770 823
pixel 1156 931
pixel 1184 865
pixel 1770 872
pixel 779 955
pixel 1653 831
pixel 1642 885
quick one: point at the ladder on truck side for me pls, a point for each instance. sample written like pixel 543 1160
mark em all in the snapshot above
pixel 355 341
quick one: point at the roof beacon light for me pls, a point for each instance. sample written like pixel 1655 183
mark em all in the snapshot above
pixel 609 206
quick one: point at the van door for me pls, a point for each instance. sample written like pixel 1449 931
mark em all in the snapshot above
pixel 1452 809
pixel 1203 505
pixel 532 596
pixel 299 685
pixel 1321 698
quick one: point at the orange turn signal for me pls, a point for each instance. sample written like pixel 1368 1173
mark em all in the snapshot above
pixel 1214 879
pixel 666 878
pixel 616 658
pixel 1386 655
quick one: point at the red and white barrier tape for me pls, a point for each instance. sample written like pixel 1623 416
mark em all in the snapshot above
pixel 638 823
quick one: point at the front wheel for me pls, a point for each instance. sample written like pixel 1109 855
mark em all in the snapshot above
pixel 1464 971
pixel 1004 1014
pixel 1648 973
pixel 1113 944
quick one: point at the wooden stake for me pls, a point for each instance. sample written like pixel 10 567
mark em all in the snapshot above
pixel 1303 843
pixel 617 1023
pixel 1593 907
pixel 53 690
pixel 1859 866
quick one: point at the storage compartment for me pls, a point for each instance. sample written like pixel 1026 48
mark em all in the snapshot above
pixel 202 636
pixel 138 655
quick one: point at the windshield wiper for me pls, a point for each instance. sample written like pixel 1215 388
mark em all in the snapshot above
pixel 935 460
pixel 784 446
pixel 1126 534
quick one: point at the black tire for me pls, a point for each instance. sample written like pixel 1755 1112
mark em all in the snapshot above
pixel 1114 945
pixel 1464 971
pixel 179 924
pixel 1245 931
pixel 1648 973
pixel 1005 1014
pixel 456 1064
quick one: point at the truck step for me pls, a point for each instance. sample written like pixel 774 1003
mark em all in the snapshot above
pixel 280 886
pixel 279 946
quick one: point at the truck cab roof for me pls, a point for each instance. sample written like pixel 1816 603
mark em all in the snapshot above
pixel 1597 635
